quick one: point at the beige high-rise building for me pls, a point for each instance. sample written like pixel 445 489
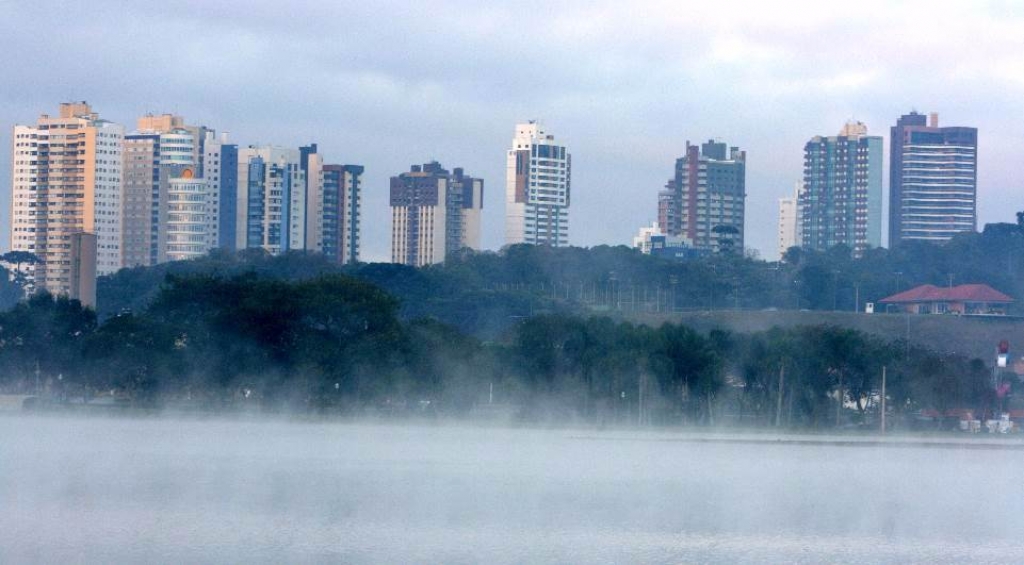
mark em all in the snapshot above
pixel 160 150
pixel 333 202
pixel 67 181
pixel 434 213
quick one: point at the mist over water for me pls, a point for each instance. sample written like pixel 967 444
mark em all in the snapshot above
pixel 219 491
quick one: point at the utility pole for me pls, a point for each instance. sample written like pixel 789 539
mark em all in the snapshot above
pixel 883 399
pixel 640 399
pixel 907 353
pixel 778 404
pixel 839 399
pixel 835 290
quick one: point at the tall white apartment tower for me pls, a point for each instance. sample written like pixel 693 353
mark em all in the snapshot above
pixel 66 198
pixel 537 186
pixel 789 220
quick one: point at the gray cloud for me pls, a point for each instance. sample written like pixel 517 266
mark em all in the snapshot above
pixel 388 84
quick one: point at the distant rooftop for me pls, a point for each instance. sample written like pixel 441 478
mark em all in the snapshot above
pixel 960 293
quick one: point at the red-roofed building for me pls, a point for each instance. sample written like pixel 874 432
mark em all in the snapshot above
pixel 965 299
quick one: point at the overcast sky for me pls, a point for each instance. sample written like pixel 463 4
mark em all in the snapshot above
pixel 623 84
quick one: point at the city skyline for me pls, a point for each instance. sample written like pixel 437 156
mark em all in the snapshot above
pixel 625 96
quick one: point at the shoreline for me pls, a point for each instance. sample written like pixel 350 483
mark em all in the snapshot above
pixel 572 430
pixel 795 438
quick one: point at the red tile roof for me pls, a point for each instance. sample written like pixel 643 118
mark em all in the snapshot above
pixel 961 293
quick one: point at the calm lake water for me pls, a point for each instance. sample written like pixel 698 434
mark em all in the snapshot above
pixel 102 490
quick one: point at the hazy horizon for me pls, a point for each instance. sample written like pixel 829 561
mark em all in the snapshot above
pixel 389 85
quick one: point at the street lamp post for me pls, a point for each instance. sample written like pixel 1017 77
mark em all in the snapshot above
pixel 714 280
pixel 835 290
pixel 673 280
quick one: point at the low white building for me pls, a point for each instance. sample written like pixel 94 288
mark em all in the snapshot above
pixel 651 238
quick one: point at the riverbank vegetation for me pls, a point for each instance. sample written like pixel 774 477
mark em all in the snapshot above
pixel 334 343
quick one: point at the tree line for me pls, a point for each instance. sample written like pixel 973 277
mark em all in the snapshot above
pixel 484 293
pixel 333 343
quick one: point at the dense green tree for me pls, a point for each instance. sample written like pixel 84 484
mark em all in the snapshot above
pixel 41 340
pixel 516 328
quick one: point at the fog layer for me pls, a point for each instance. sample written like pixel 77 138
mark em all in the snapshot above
pixel 125 490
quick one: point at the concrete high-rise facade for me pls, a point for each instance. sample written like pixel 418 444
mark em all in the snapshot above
pixel 433 213
pixel 186 148
pixel 290 199
pixel 333 206
pixel 271 199
pixel 465 202
pixel 705 200
pixel 161 149
pixel 66 198
pixel 188 228
pixel 340 217
pixel 933 174
pixel 537 188
pixel 220 170
pixel 142 182
pixel 841 199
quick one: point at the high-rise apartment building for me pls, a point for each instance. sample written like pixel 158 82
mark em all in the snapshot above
pixel 465 202
pixel 161 149
pixel 220 170
pixel 271 199
pixel 187 148
pixel 841 199
pixel 789 221
pixel 704 201
pixel 290 199
pixel 66 198
pixel 537 188
pixel 188 228
pixel 333 206
pixel 434 213
pixel 341 196
pixel 933 173
pixel 140 203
